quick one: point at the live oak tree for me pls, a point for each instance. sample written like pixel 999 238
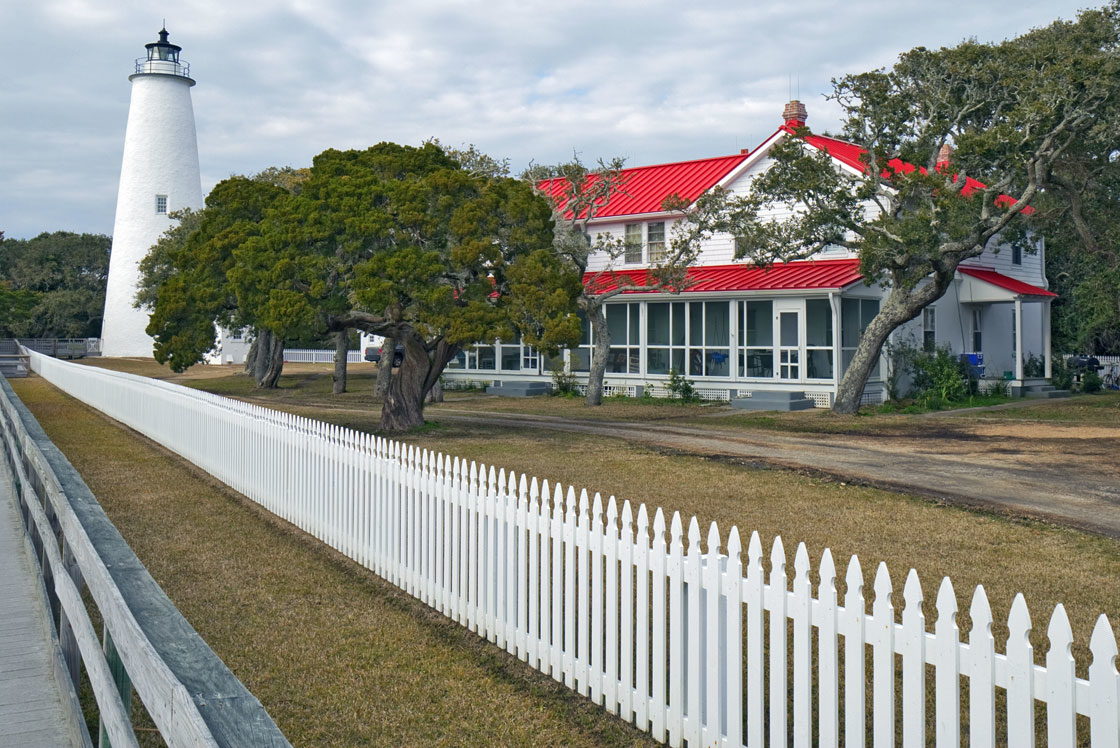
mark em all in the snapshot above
pixel 53 285
pixel 1013 111
pixel 405 243
pixel 186 280
pixel 578 197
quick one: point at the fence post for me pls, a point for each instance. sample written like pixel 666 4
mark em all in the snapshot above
pixel 120 677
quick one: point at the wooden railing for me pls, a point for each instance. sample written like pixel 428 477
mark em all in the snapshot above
pixel 190 694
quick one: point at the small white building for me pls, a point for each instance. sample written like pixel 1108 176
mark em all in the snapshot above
pixel 738 330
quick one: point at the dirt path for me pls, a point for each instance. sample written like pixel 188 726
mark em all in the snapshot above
pixel 1064 478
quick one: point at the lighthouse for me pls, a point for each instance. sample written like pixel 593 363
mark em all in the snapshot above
pixel 159 175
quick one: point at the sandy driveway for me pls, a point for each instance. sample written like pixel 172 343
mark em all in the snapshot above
pixel 1068 475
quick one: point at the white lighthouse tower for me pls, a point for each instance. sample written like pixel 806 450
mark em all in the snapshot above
pixel 159 174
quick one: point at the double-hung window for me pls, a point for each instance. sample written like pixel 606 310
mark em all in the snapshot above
pixel 929 328
pixel 655 238
pixel 639 237
pixel 633 251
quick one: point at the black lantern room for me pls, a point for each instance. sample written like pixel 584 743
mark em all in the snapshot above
pixel 163 49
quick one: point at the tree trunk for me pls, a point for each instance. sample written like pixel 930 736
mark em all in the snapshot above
pixel 269 360
pixel 403 406
pixel 341 349
pixel 385 369
pixel 251 358
pixel 899 308
pixel 597 314
pixel 435 394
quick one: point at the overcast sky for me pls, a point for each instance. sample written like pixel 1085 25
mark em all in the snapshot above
pixel 280 81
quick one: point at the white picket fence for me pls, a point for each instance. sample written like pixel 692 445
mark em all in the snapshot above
pixel 692 645
pixel 311 356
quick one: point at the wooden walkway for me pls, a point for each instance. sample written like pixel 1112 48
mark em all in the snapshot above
pixel 35 708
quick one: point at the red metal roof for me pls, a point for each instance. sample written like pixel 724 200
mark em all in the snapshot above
pixel 1004 281
pixel 646 187
pixel 852 155
pixel 807 275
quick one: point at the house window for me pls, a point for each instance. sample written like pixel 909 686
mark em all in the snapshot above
pixel 624 326
pixel 665 337
pixel 633 250
pixel 1016 255
pixel 655 237
pixel 929 328
pixel 977 329
pixel 709 338
pixel 756 339
pixel 855 316
pixel 741 247
pixel 818 338
pixel 161 203
pixel 639 236
pixel 480 357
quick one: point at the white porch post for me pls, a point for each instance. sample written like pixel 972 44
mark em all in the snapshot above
pixel 1019 338
pixel 834 305
pixel 1046 353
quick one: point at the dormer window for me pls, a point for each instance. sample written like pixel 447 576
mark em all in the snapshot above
pixel 161 204
pixel 632 255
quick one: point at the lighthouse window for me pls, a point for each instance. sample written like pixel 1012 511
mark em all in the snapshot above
pixel 161 203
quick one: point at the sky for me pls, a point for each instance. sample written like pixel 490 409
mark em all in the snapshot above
pixel 279 82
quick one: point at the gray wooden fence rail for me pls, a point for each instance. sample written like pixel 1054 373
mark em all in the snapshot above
pixel 191 695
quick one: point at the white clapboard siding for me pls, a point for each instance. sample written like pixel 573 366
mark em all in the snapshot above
pixel 652 619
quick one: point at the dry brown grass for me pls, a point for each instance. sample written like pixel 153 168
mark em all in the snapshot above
pixel 337 656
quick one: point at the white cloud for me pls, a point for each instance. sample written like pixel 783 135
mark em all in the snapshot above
pixel 279 82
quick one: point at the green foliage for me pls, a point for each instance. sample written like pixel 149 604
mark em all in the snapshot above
pixel 1091 382
pixel 53 286
pixel 1034 366
pixel 681 388
pixel 1061 376
pixel 564 384
pixel 938 377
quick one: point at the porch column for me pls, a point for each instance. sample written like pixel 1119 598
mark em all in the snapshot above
pixel 1019 338
pixel 834 305
pixel 1047 356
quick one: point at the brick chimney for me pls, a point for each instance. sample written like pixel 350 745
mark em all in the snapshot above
pixel 795 114
pixel 944 156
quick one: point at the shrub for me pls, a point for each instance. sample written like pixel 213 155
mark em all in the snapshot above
pixel 1091 381
pixel 940 377
pixel 564 383
pixel 1061 376
pixel 681 388
pixel 1034 366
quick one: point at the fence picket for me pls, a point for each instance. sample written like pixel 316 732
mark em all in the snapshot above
pixel 946 655
pixel 1104 685
pixel 828 700
pixel 912 648
pixel 852 625
pixel 981 670
pixel 779 646
pixel 612 607
pixel 1061 714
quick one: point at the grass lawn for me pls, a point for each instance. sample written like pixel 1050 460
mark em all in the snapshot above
pixel 1101 408
pixel 338 657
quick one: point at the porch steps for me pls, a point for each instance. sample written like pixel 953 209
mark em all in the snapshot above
pixel 771 400
pixel 518 389
pixel 1044 392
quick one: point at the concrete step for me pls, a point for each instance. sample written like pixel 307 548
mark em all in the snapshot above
pixel 773 400
pixel 1048 393
pixel 519 389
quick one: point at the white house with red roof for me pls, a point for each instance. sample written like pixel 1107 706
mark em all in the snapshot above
pixel 783 334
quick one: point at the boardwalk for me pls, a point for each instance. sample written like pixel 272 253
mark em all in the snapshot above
pixel 34 706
